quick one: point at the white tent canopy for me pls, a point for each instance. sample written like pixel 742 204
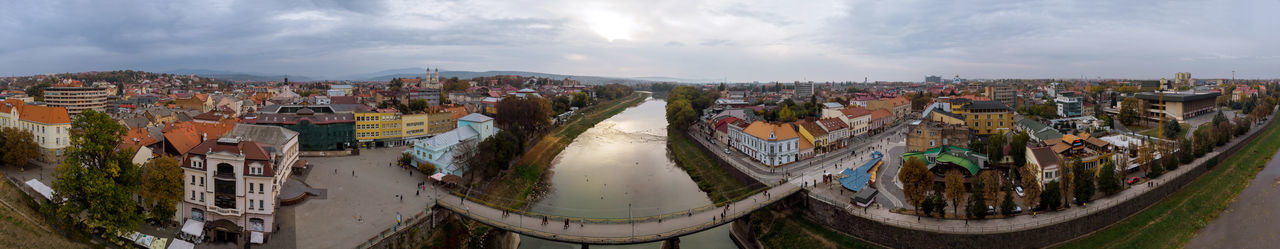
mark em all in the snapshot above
pixel 193 227
pixel 44 190
pixel 438 176
pixel 181 244
pixel 255 237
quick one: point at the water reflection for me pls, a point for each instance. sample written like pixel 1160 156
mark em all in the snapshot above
pixel 619 168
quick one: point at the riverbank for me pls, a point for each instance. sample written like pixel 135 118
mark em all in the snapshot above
pixel 710 177
pixel 1176 219
pixel 513 187
pixel 22 226
pixel 784 229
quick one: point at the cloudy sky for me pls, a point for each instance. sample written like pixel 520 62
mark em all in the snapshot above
pixel 739 40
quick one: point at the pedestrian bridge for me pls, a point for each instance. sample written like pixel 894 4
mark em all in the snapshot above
pixel 616 231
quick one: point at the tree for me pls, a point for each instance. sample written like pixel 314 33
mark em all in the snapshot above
pixel 1128 113
pixel 162 186
pixel 916 181
pixel 1108 180
pixel 939 204
pixel 1030 186
pixel 680 114
pixel 1171 130
pixel 418 105
pixel 976 146
pixel 527 116
pixel 977 202
pixel 580 99
pixel 995 147
pixel 721 86
pixel 96 178
pixel 467 154
pixel 991 184
pixel 786 115
pixel 1019 147
pixel 955 189
pixel 1083 182
pixel 405 159
pixel 19 146
pixel 1052 196
pixel 1186 153
pixel 427 168
pixel 1007 205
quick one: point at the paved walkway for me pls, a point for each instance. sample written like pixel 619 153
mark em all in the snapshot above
pixel 1250 220
pixel 619 230
pixel 360 206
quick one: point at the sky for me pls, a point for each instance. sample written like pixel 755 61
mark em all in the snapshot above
pixel 741 41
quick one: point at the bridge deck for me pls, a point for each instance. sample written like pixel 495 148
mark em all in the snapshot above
pixel 608 231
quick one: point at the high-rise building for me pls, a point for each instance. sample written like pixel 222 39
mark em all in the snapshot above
pixel 933 79
pixel 77 99
pixel 1182 79
pixel 1004 93
pixel 804 90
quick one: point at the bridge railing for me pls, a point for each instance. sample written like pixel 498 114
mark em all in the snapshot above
pixel 641 238
pixel 664 216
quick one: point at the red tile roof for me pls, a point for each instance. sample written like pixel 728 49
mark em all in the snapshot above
pixel 855 111
pixel 137 138
pixel 36 113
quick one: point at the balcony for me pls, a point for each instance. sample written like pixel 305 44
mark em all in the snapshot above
pixel 225 211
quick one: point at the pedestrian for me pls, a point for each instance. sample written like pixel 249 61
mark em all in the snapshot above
pixel 335 171
pixel 416 192
pixel 353 173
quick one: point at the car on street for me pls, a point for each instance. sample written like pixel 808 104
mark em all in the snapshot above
pixel 1133 180
pixel 991 210
pixel 1019 190
pixel 1017 209
pixel 727 151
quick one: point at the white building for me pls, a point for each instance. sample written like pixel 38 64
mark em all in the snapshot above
pixel 49 126
pixel 771 144
pixel 231 184
pixel 438 150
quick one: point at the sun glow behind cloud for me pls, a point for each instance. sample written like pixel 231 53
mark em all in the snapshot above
pixel 611 26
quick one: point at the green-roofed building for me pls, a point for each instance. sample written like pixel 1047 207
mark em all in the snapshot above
pixel 941 159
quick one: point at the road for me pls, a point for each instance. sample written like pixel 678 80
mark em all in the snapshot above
pixel 891 143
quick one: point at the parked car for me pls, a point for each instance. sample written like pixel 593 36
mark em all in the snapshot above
pixel 727 151
pixel 1017 209
pixel 1019 190
pixel 991 210
pixel 1133 180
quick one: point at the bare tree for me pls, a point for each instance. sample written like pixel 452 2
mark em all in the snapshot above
pixel 467 155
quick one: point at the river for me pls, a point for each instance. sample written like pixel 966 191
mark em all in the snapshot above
pixel 621 168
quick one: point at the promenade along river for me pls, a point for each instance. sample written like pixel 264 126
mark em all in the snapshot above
pixel 619 168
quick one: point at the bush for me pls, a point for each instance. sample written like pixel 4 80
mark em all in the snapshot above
pixel 1052 196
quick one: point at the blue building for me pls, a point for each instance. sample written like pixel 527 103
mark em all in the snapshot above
pixel 438 150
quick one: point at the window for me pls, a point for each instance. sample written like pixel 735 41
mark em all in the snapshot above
pixel 260 205
pixel 193 195
pixel 250 203
pixel 251 187
pixel 193 181
pixel 260 188
pixel 201 196
pixel 202 181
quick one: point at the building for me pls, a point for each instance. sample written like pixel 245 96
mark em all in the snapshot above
pixel 431 95
pixel 1182 79
pixel 1177 106
pixel 837 133
pixel 420 125
pixel 1070 104
pixel 804 90
pixel 769 143
pixel 858 120
pixel 942 159
pixel 380 128
pixel 439 150
pixel 932 79
pixel 231 184
pixel 78 99
pixel 320 127
pixel 923 135
pixel 341 90
pixel 50 127
pixel 1044 164
pixel 1004 93
pixel 987 117
pixel 899 106
pixel 1088 149
pixel 1038 131
pixel 813 133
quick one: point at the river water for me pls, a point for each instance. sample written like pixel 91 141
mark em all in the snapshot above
pixel 621 168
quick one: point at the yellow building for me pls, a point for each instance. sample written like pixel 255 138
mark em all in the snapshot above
pixel 379 128
pixel 987 117
pixel 423 125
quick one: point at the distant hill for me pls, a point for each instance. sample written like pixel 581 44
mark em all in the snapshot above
pixel 682 80
pixel 237 76
pixel 471 74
